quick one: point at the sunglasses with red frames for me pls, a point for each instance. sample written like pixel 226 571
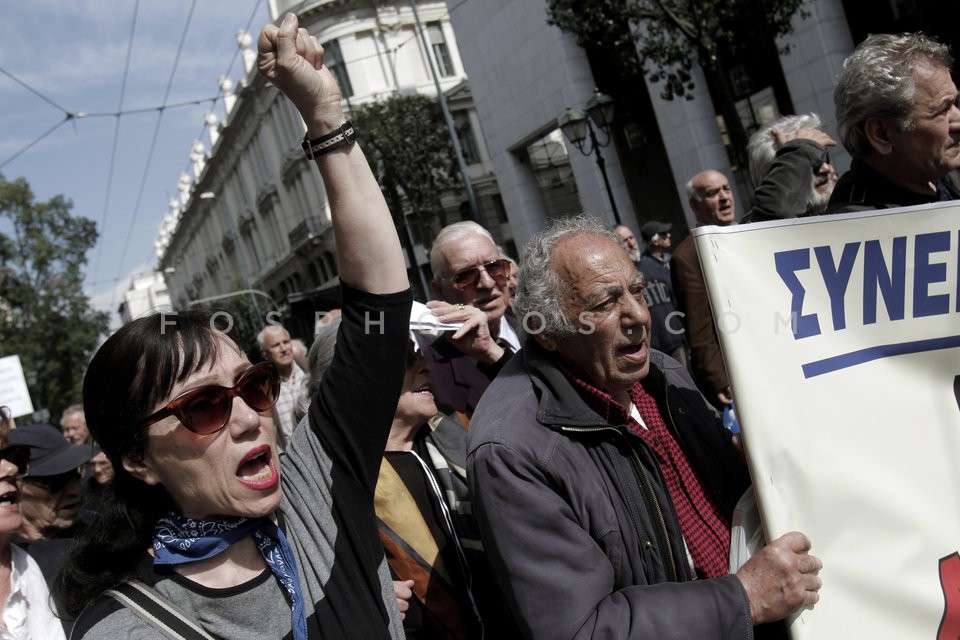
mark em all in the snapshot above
pixel 496 269
pixel 206 410
pixel 19 455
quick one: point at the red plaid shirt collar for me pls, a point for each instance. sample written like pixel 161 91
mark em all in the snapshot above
pixel 706 531
pixel 602 403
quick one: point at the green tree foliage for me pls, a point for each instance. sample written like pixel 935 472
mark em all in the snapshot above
pixel 664 38
pixel 407 144
pixel 45 317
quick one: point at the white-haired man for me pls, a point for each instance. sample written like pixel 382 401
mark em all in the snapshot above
pixel 470 280
pixel 73 424
pixel 790 166
pixel 602 481
pixel 277 347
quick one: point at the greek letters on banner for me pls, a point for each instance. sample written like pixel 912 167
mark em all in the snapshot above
pixel 841 335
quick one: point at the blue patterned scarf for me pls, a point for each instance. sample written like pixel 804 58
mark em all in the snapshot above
pixel 179 540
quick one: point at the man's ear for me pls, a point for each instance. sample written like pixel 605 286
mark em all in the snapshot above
pixel 878 131
pixel 435 287
pixel 140 470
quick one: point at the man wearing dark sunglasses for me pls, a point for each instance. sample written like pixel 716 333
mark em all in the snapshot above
pixel 50 495
pixel 791 169
pixel 52 488
pixel 471 284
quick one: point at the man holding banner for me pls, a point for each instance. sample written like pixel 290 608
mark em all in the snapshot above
pixel 844 331
pixel 604 483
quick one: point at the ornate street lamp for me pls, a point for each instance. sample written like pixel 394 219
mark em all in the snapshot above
pixel 577 127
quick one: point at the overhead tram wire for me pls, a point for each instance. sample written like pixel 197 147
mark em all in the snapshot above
pixel 133 112
pixel 116 138
pixel 68 116
pixel 71 116
pixel 153 142
pixel 35 141
pixel 33 91
pixel 233 60
pixel 213 101
pixel 74 116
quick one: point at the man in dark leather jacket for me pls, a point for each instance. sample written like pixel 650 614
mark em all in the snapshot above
pixel 603 481
pixel 898 116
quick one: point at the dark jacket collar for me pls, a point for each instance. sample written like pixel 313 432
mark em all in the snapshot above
pixel 864 186
pixel 559 404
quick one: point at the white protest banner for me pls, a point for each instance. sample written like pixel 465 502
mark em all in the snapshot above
pixel 13 387
pixel 841 336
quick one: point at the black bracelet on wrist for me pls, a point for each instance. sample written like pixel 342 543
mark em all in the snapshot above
pixel 337 138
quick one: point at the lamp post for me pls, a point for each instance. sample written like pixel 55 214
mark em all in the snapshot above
pixel 576 126
pixel 451 129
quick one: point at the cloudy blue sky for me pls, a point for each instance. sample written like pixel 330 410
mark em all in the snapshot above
pixel 102 58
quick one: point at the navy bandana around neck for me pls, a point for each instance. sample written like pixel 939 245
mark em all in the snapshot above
pixel 179 540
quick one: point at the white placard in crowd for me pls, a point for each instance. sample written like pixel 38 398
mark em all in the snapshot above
pixel 13 387
pixel 841 336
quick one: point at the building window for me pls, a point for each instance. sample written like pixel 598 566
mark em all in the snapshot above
pixel 333 59
pixel 468 142
pixel 441 53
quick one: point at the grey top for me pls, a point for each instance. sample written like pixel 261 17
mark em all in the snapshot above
pixel 328 476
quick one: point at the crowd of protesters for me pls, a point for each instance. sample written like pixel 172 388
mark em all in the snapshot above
pixel 551 462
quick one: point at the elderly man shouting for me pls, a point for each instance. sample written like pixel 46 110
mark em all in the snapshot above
pixel 603 482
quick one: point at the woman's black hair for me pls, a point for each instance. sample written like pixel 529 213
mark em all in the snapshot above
pixel 130 375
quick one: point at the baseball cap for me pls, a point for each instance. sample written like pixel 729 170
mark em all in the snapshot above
pixel 652 228
pixel 50 453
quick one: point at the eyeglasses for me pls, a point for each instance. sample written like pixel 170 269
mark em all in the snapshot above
pixel 819 161
pixel 496 269
pixel 206 410
pixel 19 455
pixel 54 484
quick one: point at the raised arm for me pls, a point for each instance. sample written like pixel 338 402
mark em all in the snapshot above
pixel 368 249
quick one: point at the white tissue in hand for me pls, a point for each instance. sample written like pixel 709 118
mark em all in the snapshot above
pixel 422 320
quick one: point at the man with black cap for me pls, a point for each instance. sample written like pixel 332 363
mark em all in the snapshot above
pixel 51 494
pixel 666 327
pixel 50 498
pixel 656 236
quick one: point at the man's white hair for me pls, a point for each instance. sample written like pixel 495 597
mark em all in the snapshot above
pixel 448 234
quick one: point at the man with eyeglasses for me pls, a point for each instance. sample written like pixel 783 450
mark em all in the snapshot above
pixel 50 496
pixel 27 610
pixel 52 488
pixel 470 282
pixel 790 166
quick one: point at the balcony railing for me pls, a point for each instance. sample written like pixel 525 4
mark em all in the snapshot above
pixel 310 228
